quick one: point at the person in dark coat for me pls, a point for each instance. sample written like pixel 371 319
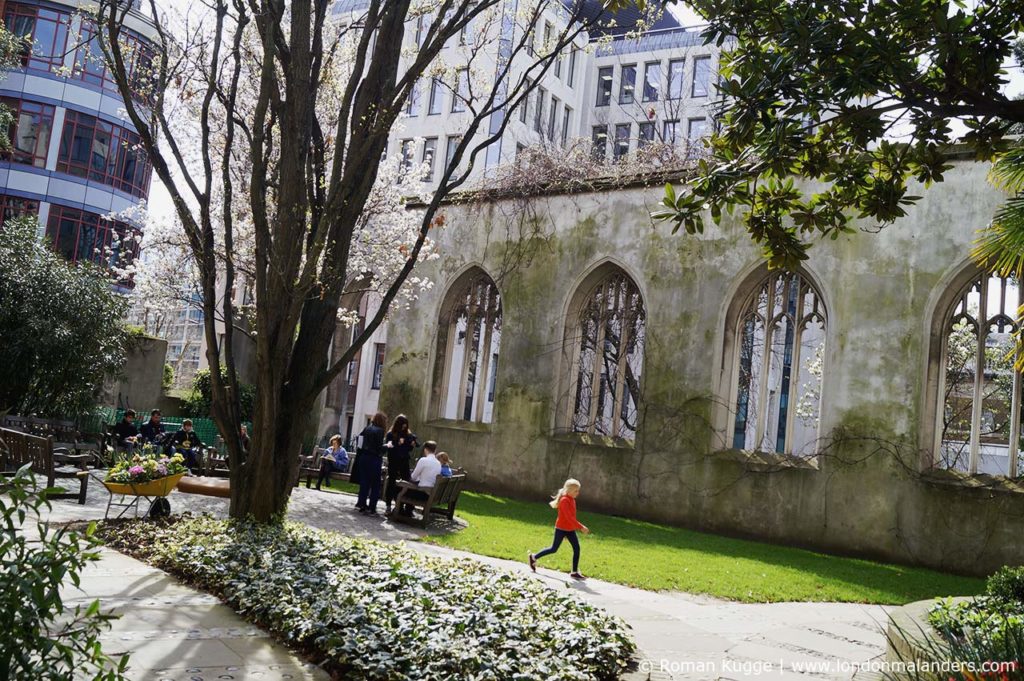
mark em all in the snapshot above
pixel 125 433
pixel 369 459
pixel 152 431
pixel 187 443
pixel 400 442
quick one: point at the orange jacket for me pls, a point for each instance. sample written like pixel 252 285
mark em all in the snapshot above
pixel 567 515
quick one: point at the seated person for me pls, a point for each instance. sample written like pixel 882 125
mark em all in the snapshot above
pixel 426 471
pixel 334 458
pixel 152 430
pixel 445 461
pixel 125 433
pixel 188 444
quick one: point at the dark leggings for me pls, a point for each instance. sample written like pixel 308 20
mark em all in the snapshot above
pixel 573 541
pixel 326 468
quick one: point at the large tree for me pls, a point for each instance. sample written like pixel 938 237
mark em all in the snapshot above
pixel 292 108
pixel 857 96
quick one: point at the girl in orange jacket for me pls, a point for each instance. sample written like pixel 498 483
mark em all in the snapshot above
pixel 565 526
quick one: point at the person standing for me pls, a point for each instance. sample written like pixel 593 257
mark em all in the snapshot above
pixel 566 526
pixel 369 459
pixel 400 442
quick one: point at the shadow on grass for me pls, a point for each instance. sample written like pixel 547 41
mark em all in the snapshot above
pixel 659 557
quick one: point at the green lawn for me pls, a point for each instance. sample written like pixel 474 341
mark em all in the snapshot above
pixel 658 557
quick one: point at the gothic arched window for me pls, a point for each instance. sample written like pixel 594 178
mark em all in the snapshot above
pixel 471 326
pixel 779 361
pixel 979 421
pixel 609 344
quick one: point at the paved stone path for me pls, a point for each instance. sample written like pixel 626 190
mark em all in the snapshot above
pixel 173 629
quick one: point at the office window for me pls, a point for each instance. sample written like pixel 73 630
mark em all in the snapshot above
pixel 622 131
pixel 44 31
pixel 701 76
pixel 646 134
pixel 82 236
pixel 429 152
pixel 571 79
pixel 599 139
pixel 449 154
pixel 696 129
pixel 422 25
pixel 412 104
pixel 29 132
pixel 675 78
pixel 566 123
pixel 670 132
pixel 627 84
pixel 408 147
pixel 378 365
pixel 100 151
pixel 553 118
pixel 466 34
pixel 538 117
pixel 524 105
pixel 652 81
pixel 604 86
pixel 461 95
pixel 436 97
pixel 14 207
pixel 548 43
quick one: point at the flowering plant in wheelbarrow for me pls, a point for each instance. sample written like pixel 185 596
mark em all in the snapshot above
pixel 147 473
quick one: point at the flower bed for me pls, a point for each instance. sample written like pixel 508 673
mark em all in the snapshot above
pixel 994 620
pixel 370 610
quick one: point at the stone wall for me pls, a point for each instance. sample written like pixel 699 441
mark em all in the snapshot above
pixel 868 492
pixel 140 385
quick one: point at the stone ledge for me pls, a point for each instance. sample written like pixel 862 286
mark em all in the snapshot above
pixel 767 461
pixel 979 481
pixel 589 440
pixel 452 424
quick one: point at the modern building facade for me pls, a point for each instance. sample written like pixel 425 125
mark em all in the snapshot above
pixel 74 159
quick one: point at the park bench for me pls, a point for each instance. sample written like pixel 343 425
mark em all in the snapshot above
pixel 209 487
pixel 441 499
pixel 18 449
pixel 309 467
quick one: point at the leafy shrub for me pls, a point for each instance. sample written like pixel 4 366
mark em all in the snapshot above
pixel 60 327
pixel 1007 585
pixel 41 637
pixel 378 611
pixel 198 399
pixel 167 382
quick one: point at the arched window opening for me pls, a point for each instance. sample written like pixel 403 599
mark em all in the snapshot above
pixel 980 418
pixel 780 362
pixel 472 319
pixel 609 360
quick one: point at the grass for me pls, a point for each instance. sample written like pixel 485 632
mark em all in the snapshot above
pixel 658 557
pixel 662 558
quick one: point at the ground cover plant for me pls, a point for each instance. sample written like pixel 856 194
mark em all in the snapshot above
pixel 368 610
pixel 996 618
pixel 652 556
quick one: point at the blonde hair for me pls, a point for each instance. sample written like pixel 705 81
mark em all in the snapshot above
pixel 335 438
pixel 443 457
pixel 571 483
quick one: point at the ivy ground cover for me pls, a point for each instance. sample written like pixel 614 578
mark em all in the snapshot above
pixel 368 610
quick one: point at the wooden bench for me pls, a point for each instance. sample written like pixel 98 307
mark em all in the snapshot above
pixel 209 487
pixel 309 467
pixel 440 499
pixel 18 449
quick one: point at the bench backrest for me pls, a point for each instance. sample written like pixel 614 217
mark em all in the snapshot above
pixel 18 449
pixel 447 489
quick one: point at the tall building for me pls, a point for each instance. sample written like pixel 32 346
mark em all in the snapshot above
pixel 74 158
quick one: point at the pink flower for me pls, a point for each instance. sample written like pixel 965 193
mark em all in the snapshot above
pixel 136 470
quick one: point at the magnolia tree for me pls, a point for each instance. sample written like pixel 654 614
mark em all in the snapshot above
pixel 268 121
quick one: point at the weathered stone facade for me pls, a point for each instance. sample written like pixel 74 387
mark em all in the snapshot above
pixel 869 491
